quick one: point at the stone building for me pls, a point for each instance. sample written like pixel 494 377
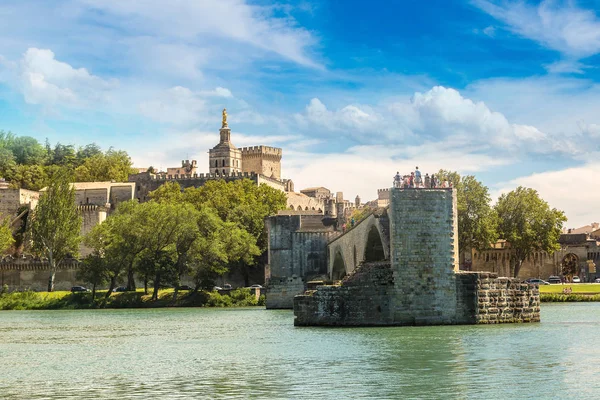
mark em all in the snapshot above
pixel 575 252
pixel 11 200
pixel 187 168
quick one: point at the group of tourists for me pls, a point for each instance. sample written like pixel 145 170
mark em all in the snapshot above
pixel 415 180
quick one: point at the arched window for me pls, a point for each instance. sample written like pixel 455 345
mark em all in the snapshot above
pixel 223 163
pixel 223 172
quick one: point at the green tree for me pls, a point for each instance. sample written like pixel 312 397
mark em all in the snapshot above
pixel 6 235
pixel 93 270
pixel 112 165
pixel 528 224
pixel 31 177
pixel 64 155
pixel 55 225
pixel 477 220
pixel 27 150
pixel 241 202
pixel 88 151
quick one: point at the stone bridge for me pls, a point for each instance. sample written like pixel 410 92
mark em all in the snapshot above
pixel 402 269
pixel 367 241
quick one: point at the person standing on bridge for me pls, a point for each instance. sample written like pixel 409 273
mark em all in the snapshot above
pixel 397 180
pixel 418 181
pixel 427 181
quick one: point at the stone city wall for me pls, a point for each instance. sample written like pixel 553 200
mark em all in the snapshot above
pixel 31 274
pixel 147 182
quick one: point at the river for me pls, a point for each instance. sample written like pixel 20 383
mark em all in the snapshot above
pixel 257 353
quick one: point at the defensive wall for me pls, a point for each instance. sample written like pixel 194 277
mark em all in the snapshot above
pixel 33 273
pixel 147 182
pixel 297 250
pixel 420 284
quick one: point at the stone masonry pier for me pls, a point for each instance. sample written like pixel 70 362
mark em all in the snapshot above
pixel 420 283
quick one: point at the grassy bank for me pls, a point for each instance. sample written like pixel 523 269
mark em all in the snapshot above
pixel 67 300
pixel 579 292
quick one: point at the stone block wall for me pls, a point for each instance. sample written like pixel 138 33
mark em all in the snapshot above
pixel 484 298
pixel 297 247
pixel 424 254
pixel 281 292
pixel 365 298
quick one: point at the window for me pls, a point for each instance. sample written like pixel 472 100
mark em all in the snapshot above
pixel 223 165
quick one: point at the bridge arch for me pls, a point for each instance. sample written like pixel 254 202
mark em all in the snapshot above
pixel 339 267
pixel 366 241
pixel 374 246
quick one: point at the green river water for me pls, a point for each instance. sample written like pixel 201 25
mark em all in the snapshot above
pixel 257 353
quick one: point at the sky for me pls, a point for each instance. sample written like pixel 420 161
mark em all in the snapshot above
pixel 353 91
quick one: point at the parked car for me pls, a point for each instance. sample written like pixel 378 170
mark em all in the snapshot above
pixel 227 286
pixel 256 286
pixel 554 279
pixel 120 289
pixel 184 287
pixel 216 288
pixel 538 281
pixel 597 280
pixel 76 289
pixel 576 279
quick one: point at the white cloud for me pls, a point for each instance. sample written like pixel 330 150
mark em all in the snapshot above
pixel 218 92
pixel 45 81
pixel 440 114
pixel 354 117
pixel 560 26
pixel 230 19
pixel 566 67
pixel 489 31
pixel 556 106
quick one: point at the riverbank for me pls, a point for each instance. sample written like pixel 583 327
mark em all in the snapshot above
pixel 66 300
pixel 578 292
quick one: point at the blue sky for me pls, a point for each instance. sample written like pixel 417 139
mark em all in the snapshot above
pixel 353 91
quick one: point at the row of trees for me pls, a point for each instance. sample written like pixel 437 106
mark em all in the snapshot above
pixel 203 232
pixel 26 163
pixel 521 217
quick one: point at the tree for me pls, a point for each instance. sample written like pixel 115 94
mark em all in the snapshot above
pixel 27 150
pixel 93 270
pixel 55 225
pixel 31 177
pixel 63 155
pixel 528 224
pixel 110 257
pixel 87 151
pixel 113 165
pixel 6 236
pixel 241 202
pixel 477 220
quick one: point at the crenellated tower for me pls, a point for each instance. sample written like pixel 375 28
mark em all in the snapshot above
pixel 263 160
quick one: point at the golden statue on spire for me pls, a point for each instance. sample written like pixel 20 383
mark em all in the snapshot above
pixel 224 118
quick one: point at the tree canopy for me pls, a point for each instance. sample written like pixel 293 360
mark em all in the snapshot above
pixel 26 163
pixel 528 224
